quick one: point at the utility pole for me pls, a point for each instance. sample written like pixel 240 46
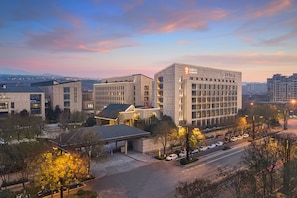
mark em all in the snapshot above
pixel 187 144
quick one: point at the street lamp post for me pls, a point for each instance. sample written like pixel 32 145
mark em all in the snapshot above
pixel 285 119
pixel 253 126
pixel 253 120
pixel 187 145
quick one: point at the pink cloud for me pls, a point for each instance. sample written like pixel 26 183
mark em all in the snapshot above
pixel 184 19
pixel 272 8
pixel 108 45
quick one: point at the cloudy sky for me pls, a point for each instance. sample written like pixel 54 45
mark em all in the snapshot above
pixel 107 38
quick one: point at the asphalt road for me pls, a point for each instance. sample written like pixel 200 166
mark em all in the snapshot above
pixel 158 179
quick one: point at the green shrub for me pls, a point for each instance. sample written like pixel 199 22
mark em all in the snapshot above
pixel 7 194
pixel 162 157
pixel 80 192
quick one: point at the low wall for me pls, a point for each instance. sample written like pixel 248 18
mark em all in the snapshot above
pixel 147 145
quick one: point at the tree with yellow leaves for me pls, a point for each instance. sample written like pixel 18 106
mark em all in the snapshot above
pixel 57 170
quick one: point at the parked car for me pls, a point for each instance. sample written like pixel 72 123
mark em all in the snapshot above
pixel 211 146
pixel 172 156
pixel 194 151
pixel 2 141
pixel 203 148
pixel 182 154
pixel 75 185
pixel 239 137
pixel 245 135
pixel 46 192
pixel 233 139
pixel 219 143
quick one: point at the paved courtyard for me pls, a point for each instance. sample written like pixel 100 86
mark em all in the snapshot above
pixel 120 162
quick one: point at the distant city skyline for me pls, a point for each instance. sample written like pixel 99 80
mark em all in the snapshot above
pixel 101 39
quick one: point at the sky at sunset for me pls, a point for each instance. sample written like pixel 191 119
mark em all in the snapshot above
pixel 108 38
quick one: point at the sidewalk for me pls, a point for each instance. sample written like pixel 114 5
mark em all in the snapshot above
pixel 120 162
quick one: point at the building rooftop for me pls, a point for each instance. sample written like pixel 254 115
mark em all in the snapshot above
pixel 104 133
pixel 18 89
pixel 112 110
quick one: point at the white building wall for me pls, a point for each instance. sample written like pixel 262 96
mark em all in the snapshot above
pixel 21 101
pixel 175 94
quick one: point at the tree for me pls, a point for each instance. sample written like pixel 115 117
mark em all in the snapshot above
pixel 87 140
pixel 195 136
pixel 165 131
pixel 91 121
pixel 262 160
pixel 241 123
pixel 59 169
pixel 288 149
pixel 16 158
pixel 199 188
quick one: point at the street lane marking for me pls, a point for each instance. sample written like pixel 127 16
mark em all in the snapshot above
pixel 211 161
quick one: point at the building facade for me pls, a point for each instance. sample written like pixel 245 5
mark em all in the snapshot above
pixel 135 89
pixel 282 88
pixel 198 96
pixel 17 99
pixel 88 102
pixel 67 95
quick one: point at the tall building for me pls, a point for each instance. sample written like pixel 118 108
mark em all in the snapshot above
pixel 88 102
pixel 66 95
pixel 135 89
pixel 16 99
pixel 282 88
pixel 198 96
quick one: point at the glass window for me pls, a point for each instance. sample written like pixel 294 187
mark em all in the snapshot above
pixel 66 89
pixel 160 79
pixel 66 96
pixel 4 105
pixel 66 104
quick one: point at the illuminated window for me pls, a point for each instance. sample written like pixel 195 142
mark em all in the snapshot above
pixel 4 105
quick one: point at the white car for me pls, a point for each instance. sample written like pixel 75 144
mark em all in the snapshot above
pixel 239 137
pixel 203 148
pixel 233 139
pixel 219 143
pixel 172 156
pixel 245 135
pixel 211 146
pixel 194 151
pixel 182 154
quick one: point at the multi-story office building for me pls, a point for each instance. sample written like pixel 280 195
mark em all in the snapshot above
pixel 16 99
pixel 67 95
pixel 282 88
pixel 88 101
pixel 135 89
pixel 198 96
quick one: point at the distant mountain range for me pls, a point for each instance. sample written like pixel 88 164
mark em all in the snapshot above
pixel 12 77
pixel 14 71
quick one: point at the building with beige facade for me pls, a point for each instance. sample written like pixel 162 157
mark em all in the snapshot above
pixel 66 95
pixel 198 96
pixel 135 89
pixel 16 99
